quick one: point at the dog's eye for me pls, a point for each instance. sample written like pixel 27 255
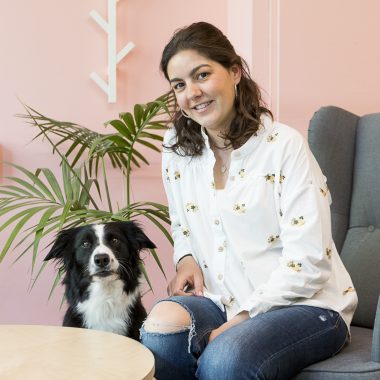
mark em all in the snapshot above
pixel 86 244
pixel 115 240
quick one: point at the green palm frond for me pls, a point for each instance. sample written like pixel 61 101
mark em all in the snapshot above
pixel 80 143
pixel 32 195
pixel 35 205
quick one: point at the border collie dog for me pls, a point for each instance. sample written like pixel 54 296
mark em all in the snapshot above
pixel 102 275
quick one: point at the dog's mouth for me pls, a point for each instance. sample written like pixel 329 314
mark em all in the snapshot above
pixel 104 273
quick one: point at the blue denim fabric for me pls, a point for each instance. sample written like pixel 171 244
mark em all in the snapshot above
pixel 274 345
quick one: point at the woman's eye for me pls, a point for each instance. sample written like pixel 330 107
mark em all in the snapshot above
pixel 86 244
pixel 202 76
pixel 178 86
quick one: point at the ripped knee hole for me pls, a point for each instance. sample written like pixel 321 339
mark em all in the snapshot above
pixel 167 317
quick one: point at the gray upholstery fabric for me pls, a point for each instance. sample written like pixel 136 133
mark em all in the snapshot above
pixel 361 257
pixel 376 337
pixel 361 249
pixel 352 363
pixel 331 138
pixel 347 148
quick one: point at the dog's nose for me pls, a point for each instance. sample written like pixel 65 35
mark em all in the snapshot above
pixel 101 260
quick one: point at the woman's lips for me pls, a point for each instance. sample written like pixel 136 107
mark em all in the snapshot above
pixel 202 107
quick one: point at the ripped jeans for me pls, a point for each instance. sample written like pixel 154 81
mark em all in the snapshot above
pixel 274 345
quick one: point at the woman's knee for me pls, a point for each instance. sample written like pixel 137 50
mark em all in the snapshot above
pixel 167 317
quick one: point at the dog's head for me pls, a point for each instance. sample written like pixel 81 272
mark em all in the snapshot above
pixel 101 251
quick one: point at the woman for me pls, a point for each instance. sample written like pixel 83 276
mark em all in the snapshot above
pixel 260 291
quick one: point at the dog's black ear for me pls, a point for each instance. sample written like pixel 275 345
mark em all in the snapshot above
pixel 58 249
pixel 135 232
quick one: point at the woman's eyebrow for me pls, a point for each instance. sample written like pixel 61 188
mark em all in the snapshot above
pixel 192 72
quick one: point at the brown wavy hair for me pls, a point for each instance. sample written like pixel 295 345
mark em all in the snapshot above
pixel 210 42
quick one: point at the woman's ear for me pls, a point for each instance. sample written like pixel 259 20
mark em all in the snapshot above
pixel 236 73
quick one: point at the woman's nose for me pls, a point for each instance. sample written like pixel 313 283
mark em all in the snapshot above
pixel 193 91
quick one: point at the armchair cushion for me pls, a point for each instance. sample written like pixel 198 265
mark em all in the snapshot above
pixel 352 363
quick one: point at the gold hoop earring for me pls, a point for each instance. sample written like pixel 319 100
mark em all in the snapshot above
pixel 184 114
pixel 236 91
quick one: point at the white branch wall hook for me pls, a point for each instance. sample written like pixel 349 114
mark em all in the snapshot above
pixel 113 57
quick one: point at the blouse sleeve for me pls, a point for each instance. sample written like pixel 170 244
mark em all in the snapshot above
pixel 305 231
pixel 182 245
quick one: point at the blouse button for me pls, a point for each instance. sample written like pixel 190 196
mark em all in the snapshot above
pixel 220 249
pixel 220 277
pixel 216 221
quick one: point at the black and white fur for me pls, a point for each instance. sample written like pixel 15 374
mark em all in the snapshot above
pixel 102 276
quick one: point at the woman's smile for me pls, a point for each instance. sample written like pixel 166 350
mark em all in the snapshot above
pixel 203 107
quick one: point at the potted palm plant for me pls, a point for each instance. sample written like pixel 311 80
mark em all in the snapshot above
pixel 38 203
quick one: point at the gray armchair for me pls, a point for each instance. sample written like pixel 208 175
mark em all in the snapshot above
pixel 347 148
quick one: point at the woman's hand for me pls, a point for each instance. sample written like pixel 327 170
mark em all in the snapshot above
pixel 243 316
pixel 189 275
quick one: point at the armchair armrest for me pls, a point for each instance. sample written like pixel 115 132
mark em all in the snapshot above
pixel 375 356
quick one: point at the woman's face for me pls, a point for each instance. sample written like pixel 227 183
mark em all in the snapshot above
pixel 204 89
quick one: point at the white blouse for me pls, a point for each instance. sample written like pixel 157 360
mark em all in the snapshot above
pixel 264 241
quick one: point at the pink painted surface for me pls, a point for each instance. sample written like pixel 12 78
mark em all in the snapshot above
pixel 304 55
pixel 48 50
pixel 326 55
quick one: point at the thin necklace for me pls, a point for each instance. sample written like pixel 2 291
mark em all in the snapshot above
pixel 224 167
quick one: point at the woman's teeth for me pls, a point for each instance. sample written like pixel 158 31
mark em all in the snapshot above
pixel 201 106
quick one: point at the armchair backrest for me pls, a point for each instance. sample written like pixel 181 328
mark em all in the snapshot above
pixel 347 148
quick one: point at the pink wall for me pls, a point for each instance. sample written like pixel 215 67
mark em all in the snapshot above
pixel 48 51
pixel 303 54
pixel 309 54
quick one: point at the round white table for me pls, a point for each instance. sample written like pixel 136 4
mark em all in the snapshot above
pixel 56 353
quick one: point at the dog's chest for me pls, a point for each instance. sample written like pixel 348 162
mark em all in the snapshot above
pixel 107 307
